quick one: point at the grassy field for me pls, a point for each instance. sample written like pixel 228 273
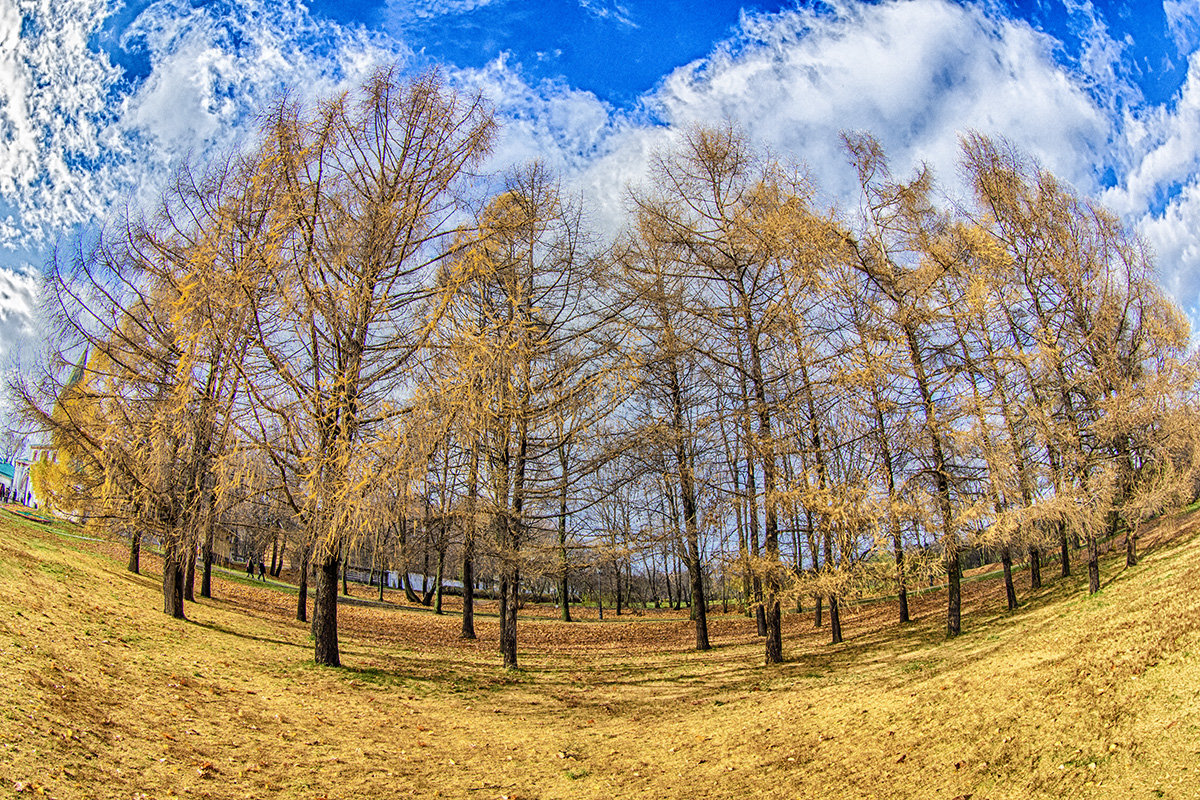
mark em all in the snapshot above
pixel 1070 696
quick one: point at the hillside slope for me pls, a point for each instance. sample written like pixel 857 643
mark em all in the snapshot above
pixel 1070 696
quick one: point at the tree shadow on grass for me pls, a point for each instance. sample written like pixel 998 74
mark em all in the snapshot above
pixel 215 627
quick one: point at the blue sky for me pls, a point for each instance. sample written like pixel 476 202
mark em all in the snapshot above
pixel 100 100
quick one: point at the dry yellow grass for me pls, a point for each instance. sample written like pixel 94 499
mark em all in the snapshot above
pixel 1068 697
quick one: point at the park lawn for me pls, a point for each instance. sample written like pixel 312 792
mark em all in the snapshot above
pixel 1069 696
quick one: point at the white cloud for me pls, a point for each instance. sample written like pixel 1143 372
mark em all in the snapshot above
pixel 597 149
pixel 1183 22
pixel 55 102
pixel 1161 147
pixel 19 293
pixel 1172 234
pixel 1160 186
pixel 608 10
pixel 1100 57
pixel 915 74
pixel 562 126
pixel 214 67
pixel 402 13
pixel 9 233
pixel 75 138
pixel 77 141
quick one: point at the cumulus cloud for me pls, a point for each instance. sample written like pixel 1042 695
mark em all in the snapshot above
pixel 19 292
pixel 1161 147
pixel 78 140
pixel 597 149
pixel 75 136
pixel 1160 185
pixel 1172 234
pixel 56 100
pixel 1183 23
pixel 915 74
pixel 215 66
pixel 546 120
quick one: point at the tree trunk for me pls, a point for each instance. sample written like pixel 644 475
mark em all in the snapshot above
pixel 502 598
pixel 189 580
pixel 652 575
pixel 600 592
pixel 1035 568
pixel 897 531
pixel 173 578
pixel 743 544
pixel 699 603
pixel 512 532
pixel 508 620
pixel 1130 548
pixel 818 604
pixel 405 583
pixel 427 588
pixel 468 565
pixel 835 615
pixel 564 596
pixel 441 568
pixel 206 553
pixel 468 594
pixel 325 635
pixel 1010 591
pixel 135 553
pixel 1093 550
pixel 902 594
pixel 345 585
pixel 687 496
pixel 617 570
pixel 941 479
pixel 302 599
pixel 667 577
pixel 1064 547
pixel 564 564
pixel 681 598
pixel 760 616
pixel 954 604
